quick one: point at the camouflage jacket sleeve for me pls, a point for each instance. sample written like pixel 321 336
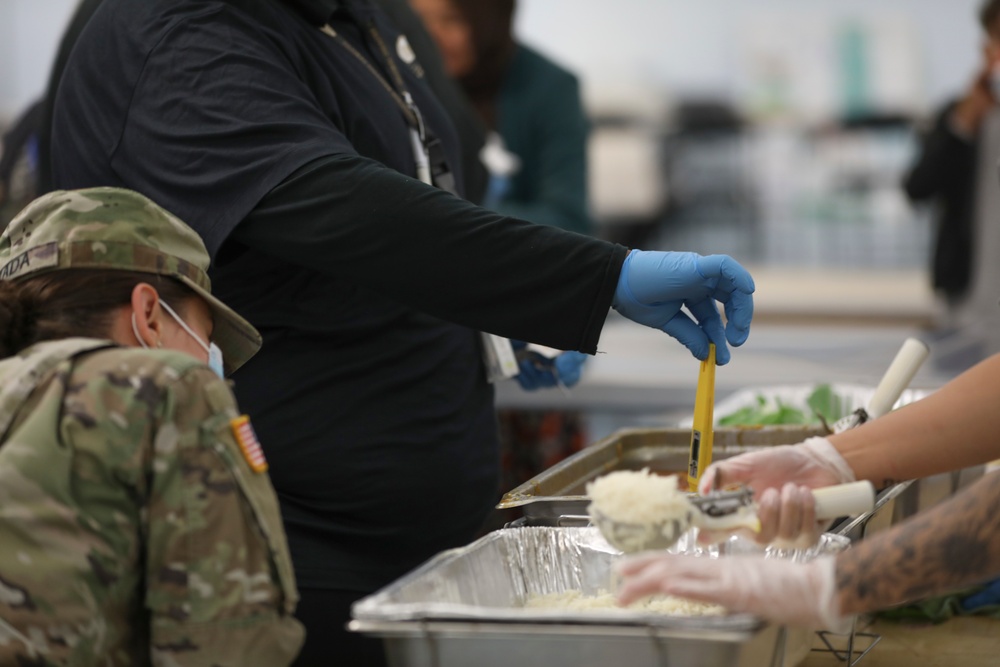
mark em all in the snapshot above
pixel 219 583
pixel 133 528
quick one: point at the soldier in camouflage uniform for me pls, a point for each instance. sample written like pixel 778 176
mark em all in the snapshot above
pixel 137 524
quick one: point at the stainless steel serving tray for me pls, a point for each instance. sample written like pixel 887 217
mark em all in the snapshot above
pixel 555 497
pixel 465 607
pixel 560 490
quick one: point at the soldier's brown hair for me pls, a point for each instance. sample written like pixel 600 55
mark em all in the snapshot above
pixel 73 302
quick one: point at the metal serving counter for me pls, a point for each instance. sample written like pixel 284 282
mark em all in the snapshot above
pixel 968 641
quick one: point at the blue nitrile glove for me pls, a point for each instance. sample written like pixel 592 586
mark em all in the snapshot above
pixel 537 370
pixel 569 367
pixel 653 286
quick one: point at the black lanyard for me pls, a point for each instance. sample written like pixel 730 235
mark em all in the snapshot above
pixel 428 153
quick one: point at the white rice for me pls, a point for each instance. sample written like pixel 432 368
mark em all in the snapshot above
pixel 637 497
pixel 575 600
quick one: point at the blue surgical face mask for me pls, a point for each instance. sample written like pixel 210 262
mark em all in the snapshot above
pixel 214 353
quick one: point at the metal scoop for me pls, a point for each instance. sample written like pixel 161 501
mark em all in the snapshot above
pixel 897 378
pixel 724 511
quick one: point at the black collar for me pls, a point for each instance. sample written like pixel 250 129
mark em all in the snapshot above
pixel 317 12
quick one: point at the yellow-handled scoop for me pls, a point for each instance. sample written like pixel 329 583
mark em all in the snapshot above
pixel 704 414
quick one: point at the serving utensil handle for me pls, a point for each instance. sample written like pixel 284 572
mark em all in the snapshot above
pixel 844 500
pixel 700 456
pixel 901 371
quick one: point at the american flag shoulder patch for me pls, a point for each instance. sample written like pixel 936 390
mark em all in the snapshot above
pixel 249 445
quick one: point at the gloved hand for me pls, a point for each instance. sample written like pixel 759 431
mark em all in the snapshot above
pixel 781 478
pixel 800 594
pixel 538 370
pixel 653 286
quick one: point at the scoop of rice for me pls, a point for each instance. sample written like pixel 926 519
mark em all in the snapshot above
pixel 575 600
pixel 637 497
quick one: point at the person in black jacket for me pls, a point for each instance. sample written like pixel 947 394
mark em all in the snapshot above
pixel 301 140
pixel 471 131
pixel 946 170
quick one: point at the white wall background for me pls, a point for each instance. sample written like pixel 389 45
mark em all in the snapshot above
pixel 29 35
pixel 678 45
pixel 697 46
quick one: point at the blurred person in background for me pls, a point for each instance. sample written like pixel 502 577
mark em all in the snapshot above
pixel 19 157
pixel 137 523
pixel 952 546
pixel 469 127
pixel 957 171
pixel 536 152
pixel 301 140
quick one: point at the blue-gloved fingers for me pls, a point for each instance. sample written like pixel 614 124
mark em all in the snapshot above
pixel 739 312
pixel 707 314
pixel 528 376
pixel 734 289
pixel 533 376
pixel 532 373
pixel 727 269
pixel 689 335
pixel 654 285
pixel 569 366
pixel 546 376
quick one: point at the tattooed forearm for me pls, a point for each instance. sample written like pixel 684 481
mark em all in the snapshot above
pixel 950 546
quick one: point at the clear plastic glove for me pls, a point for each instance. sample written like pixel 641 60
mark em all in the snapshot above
pixel 653 286
pixel 538 370
pixel 800 594
pixel 781 478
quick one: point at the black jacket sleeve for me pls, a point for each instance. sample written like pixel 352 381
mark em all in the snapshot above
pixel 352 218
pixel 946 166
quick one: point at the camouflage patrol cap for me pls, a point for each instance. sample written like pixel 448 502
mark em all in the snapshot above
pixel 112 228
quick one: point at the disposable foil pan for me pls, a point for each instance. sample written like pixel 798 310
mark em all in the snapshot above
pixel 465 607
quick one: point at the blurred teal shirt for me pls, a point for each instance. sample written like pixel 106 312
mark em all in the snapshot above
pixel 541 119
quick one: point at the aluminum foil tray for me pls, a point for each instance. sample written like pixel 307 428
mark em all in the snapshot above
pixel 465 607
pixel 492 577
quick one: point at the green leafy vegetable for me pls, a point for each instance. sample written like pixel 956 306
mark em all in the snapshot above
pixel 823 404
pixel 764 414
pixel 826 404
